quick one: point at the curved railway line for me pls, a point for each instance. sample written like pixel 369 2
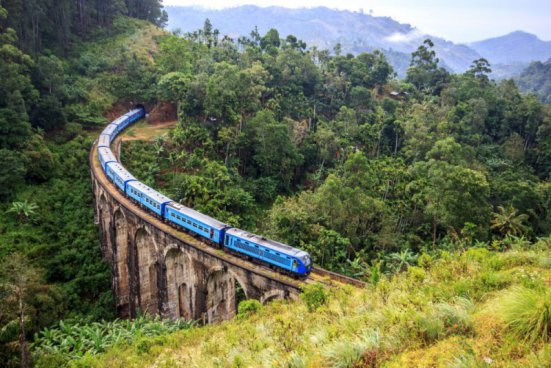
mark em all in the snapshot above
pixel 317 275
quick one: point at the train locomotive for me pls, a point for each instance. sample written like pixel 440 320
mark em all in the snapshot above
pixel 282 257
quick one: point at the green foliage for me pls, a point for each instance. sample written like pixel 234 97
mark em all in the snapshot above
pixel 314 295
pixel 248 307
pixel 527 313
pixel 72 340
pixel 23 210
pixel 509 221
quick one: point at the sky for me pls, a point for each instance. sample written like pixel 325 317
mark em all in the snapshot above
pixel 458 21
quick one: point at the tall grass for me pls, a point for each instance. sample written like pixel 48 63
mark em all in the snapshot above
pixel 527 313
pixel 361 352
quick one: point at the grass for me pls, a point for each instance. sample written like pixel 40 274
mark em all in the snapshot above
pixel 408 319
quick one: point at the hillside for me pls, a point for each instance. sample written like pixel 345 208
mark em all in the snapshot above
pixel 537 79
pixel 453 310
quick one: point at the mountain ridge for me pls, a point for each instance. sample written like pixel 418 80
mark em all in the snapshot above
pixel 360 32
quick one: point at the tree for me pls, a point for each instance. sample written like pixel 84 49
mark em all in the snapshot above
pixel 19 279
pixel 424 72
pixel 450 193
pixel 507 221
pixel 480 69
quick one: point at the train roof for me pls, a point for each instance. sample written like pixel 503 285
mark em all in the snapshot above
pixel 207 220
pixel 104 141
pixel 119 120
pixel 107 154
pixel 268 243
pixel 110 129
pixel 150 192
pixel 121 171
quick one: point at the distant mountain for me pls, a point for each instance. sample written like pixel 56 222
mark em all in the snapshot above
pixel 323 27
pixel 359 32
pixel 514 47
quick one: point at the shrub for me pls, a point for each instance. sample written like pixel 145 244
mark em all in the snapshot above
pixel 527 313
pixel 425 261
pixel 248 307
pixel 314 295
pixel 416 274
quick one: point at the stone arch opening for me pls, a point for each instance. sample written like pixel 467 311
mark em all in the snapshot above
pixel 272 295
pixel 120 250
pixel 147 272
pixel 179 289
pixel 224 292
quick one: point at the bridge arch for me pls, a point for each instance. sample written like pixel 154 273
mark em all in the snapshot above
pixel 221 294
pixel 179 290
pixel 146 250
pixel 273 295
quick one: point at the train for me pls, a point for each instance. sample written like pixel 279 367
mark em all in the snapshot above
pixel 279 256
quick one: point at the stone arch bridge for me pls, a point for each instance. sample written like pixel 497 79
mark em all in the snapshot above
pixel 162 271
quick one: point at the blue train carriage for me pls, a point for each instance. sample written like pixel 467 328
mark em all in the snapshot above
pixel 278 254
pixel 105 156
pixel 119 175
pixel 104 141
pixel 120 123
pixel 196 222
pixel 110 131
pixel 147 197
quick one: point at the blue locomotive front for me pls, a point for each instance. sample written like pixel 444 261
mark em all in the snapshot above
pixel 269 251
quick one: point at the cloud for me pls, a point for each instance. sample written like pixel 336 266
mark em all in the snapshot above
pixel 400 37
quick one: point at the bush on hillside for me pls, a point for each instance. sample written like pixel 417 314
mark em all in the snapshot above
pixel 527 313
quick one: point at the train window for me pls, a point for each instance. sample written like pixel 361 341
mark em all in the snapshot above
pixel 227 239
pixel 194 224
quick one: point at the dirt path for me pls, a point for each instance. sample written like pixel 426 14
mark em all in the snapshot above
pixel 144 131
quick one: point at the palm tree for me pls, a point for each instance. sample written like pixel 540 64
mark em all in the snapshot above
pixel 507 221
pixel 23 210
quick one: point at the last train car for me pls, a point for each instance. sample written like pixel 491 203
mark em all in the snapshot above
pixel 278 254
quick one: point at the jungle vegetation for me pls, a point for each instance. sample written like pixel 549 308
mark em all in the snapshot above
pixel 376 177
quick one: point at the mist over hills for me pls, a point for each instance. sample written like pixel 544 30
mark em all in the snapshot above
pixel 358 32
